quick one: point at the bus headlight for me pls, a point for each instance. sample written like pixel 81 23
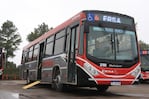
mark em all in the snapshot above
pixel 136 72
pixel 90 69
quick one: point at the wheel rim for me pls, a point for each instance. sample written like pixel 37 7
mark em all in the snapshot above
pixel 58 81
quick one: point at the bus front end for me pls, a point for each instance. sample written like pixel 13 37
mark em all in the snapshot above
pixel 110 48
pixel 112 76
pixel 144 56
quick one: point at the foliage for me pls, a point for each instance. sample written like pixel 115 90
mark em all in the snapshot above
pixel 9 38
pixel 12 71
pixel 43 28
pixel 143 45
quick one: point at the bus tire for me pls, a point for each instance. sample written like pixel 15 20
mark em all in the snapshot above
pixel 102 88
pixel 0 77
pixel 56 80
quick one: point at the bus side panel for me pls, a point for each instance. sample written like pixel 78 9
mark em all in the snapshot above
pixel 49 64
pixel 33 71
pixel 46 74
pixel 61 62
pixel 23 71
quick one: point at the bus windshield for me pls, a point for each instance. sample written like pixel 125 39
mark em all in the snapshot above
pixel 145 62
pixel 111 44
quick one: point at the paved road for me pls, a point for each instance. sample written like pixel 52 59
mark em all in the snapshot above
pixel 13 90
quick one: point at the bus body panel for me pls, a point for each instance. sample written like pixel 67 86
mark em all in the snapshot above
pixel 32 70
pixel 49 63
pixel 29 69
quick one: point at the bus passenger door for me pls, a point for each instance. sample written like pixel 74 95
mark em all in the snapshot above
pixel 72 70
pixel 39 62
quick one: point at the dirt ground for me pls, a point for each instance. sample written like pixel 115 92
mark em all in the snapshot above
pixel 12 89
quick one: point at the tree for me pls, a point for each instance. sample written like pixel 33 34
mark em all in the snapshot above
pixel 143 45
pixel 43 28
pixel 9 38
pixel 12 71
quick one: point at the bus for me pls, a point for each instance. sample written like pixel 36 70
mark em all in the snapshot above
pixel 68 55
pixel 2 61
pixel 144 54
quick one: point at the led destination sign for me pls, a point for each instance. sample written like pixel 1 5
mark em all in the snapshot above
pixel 110 18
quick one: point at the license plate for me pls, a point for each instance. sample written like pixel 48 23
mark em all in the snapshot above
pixel 115 83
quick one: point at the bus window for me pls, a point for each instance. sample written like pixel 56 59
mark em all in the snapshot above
pixel 49 46
pixel 30 54
pixel 59 43
pixel 35 52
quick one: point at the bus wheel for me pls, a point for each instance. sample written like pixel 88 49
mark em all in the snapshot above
pixel 102 88
pixel 0 77
pixel 56 81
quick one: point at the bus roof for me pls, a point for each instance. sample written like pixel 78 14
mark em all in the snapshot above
pixel 55 30
pixel 77 17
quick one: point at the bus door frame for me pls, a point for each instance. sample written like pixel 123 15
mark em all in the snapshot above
pixel 39 61
pixel 71 59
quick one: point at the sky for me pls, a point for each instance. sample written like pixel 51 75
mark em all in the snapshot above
pixel 28 14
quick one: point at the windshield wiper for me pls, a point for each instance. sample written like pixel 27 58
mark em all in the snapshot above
pixel 112 43
pixel 117 42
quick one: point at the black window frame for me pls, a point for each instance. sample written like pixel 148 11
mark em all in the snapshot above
pixel 81 40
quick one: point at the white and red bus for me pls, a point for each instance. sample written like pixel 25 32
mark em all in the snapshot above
pixel 144 65
pixel 92 49
pixel 2 61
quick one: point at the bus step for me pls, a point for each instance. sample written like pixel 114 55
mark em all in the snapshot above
pixel 31 85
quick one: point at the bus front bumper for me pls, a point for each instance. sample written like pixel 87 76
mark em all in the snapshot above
pixel 108 81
